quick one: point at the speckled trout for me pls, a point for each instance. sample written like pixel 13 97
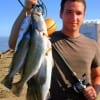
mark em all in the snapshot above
pixel 42 80
pixel 39 47
pixel 17 61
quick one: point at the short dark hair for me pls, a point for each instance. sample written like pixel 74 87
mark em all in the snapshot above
pixel 63 2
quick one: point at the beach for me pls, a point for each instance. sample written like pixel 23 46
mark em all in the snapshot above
pixel 5 94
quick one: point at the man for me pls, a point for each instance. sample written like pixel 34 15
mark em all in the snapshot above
pixel 80 52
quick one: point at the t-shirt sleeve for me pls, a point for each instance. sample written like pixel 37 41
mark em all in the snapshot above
pixel 96 60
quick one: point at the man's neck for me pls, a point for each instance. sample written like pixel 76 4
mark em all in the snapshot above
pixel 74 34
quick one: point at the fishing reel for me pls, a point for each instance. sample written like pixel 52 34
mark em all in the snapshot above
pixel 80 85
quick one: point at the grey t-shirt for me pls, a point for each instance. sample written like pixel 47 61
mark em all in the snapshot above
pixel 81 53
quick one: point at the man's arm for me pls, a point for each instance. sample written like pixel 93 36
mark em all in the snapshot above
pixel 15 29
pixel 92 90
pixel 95 73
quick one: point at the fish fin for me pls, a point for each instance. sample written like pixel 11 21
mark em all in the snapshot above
pixel 17 89
pixel 7 82
pixel 41 76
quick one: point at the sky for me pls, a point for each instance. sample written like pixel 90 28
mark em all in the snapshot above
pixel 10 9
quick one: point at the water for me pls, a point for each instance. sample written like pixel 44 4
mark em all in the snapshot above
pixel 3 44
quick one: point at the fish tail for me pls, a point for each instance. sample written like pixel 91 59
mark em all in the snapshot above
pixel 34 90
pixel 7 82
pixel 17 89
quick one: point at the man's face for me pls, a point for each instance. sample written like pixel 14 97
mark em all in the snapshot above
pixel 72 16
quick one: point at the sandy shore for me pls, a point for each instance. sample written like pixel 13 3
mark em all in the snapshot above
pixel 6 94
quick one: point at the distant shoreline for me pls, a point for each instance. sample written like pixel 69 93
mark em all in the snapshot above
pixel 3 43
pixel 4 36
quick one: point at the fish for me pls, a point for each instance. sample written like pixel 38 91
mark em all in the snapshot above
pixel 20 52
pixel 17 61
pixel 42 80
pixel 39 47
pixel 46 71
pixel 25 26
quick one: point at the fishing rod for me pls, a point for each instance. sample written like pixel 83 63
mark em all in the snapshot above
pixel 78 84
pixel 40 6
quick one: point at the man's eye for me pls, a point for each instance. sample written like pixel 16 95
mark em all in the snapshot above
pixel 79 13
pixel 68 12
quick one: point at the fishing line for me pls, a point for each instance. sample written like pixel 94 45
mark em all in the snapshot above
pixel 21 3
pixel 40 6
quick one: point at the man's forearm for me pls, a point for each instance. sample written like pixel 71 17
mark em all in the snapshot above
pixel 96 84
pixel 15 29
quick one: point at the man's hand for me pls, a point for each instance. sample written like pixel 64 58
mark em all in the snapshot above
pixel 29 3
pixel 89 93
